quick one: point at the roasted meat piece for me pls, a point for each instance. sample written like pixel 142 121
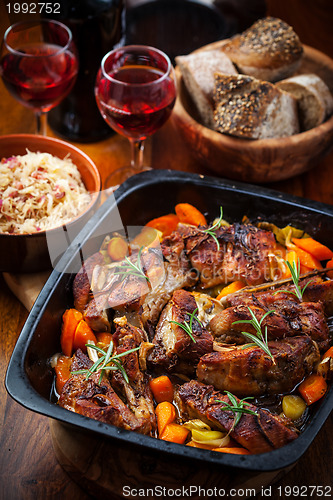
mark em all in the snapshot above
pixel 289 318
pixel 251 372
pixel 174 348
pixel 246 253
pixel 257 433
pixel 82 281
pixel 97 399
pixel 136 391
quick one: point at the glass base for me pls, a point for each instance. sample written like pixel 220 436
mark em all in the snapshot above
pixel 119 176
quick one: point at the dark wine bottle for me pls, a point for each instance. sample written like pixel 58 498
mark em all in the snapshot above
pixel 97 26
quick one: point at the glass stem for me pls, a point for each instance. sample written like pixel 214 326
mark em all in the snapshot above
pixel 137 148
pixel 41 123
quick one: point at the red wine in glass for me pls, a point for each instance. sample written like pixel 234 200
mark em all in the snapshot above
pixel 38 65
pixel 136 113
pixel 40 81
pixel 135 92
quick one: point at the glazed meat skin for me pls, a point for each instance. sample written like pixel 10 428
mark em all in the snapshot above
pixel 257 433
pixel 82 281
pixel 289 318
pixel 95 399
pixel 175 350
pixel 245 254
pixel 251 372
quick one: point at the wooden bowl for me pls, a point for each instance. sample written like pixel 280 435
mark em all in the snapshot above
pixel 262 160
pixel 28 253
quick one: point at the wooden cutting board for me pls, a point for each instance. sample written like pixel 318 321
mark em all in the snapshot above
pixel 106 468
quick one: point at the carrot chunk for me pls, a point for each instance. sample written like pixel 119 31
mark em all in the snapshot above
pixel 232 288
pixel 306 259
pixel 235 450
pixel 313 388
pixel 166 224
pixel 82 335
pixel 165 414
pixel 330 264
pixel 70 320
pixel 63 373
pixel 190 215
pixel 318 250
pixel 175 433
pixel 162 389
pixel 103 338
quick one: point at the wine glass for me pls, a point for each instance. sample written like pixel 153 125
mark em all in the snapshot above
pixel 135 92
pixel 38 65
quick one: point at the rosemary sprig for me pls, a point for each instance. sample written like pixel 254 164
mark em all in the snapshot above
pixel 211 230
pixel 187 327
pixel 259 339
pixel 295 271
pixel 237 407
pixel 135 269
pixel 106 362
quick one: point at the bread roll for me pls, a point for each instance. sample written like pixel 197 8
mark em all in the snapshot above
pixel 268 50
pixel 249 108
pixel 315 101
pixel 198 73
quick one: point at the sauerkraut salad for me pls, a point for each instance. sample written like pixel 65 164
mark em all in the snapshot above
pixel 39 191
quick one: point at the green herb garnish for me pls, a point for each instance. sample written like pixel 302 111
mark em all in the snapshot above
pixel 187 327
pixel 259 339
pixel 135 269
pixel 295 275
pixel 211 230
pixel 106 362
pixel 237 407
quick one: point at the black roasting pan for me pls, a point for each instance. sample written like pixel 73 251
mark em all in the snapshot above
pixel 145 196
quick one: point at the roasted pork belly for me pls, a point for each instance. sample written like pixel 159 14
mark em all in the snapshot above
pixel 174 348
pixel 246 253
pixel 257 433
pixel 288 318
pixel 97 399
pixel 250 371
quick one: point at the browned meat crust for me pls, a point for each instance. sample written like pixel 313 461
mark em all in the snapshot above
pixel 257 433
pixel 95 399
pixel 175 350
pixel 82 281
pixel 245 254
pixel 137 391
pixel 251 372
pixel 289 318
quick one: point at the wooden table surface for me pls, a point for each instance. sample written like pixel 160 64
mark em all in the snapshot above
pixel 28 467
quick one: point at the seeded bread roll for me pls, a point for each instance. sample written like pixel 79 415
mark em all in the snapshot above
pixel 269 50
pixel 315 101
pixel 249 108
pixel 198 73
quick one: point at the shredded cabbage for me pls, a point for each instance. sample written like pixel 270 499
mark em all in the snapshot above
pixel 39 191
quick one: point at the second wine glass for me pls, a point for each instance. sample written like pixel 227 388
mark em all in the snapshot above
pixel 38 65
pixel 135 92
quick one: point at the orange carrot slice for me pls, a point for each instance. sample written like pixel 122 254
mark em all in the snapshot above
pixel 162 389
pixel 165 414
pixel 63 372
pixel 190 215
pixel 313 388
pixel 318 250
pixel 175 433
pixel 231 288
pixel 166 224
pixel 82 335
pixel 70 320
pixel 235 450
